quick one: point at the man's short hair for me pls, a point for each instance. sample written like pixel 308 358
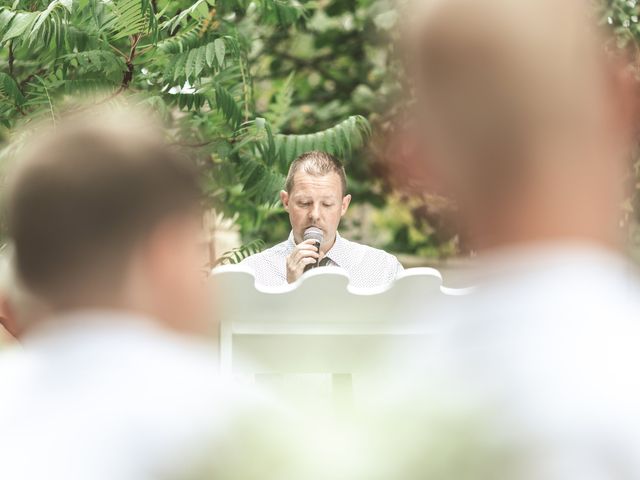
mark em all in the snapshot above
pixel 86 193
pixel 317 164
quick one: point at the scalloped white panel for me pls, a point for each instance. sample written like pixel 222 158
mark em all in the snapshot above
pixel 321 324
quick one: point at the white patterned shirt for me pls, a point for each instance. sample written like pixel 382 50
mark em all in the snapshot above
pixel 366 266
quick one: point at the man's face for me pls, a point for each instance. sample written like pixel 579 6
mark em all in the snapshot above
pixel 315 201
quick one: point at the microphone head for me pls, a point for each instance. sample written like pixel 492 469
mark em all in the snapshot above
pixel 313 233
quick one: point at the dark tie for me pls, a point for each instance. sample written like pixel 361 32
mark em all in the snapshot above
pixel 324 262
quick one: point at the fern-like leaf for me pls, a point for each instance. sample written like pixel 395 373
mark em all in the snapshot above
pixel 50 21
pixel 198 11
pixel 104 61
pixel 340 140
pixel 40 27
pixel 182 41
pixel 261 184
pixel 226 104
pixel 188 101
pixel 9 91
pixel 190 64
pixel 238 254
pixel 132 17
pixel 20 23
pixel 279 109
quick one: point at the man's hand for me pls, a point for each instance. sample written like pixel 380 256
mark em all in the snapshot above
pixel 304 254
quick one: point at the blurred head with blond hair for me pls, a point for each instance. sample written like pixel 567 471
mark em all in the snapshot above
pixel 528 124
pixel 525 120
pixel 109 380
pixel 104 215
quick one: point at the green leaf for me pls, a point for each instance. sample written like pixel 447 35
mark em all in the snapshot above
pixel 6 16
pixel 200 61
pixel 238 254
pixel 228 106
pixel 340 140
pixel 190 64
pixel 182 41
pixel 68 4
pixel 20 23
pixel 9 90
pixel 279 109
pixel 179 67
pixel 280 12
pixel 133 17
pixel 44 15
pixel 196 11
pixel 290 149
pixel 220 49
pixel 211 54
pixel 201 10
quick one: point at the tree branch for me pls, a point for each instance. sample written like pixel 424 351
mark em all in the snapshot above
pixel 39 72
pixel 191 145
pixel 128 74
pixel 12 58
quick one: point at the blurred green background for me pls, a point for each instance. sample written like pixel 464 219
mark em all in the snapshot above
pixel 245 86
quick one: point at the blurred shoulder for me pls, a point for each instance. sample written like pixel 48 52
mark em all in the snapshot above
pixel 14 368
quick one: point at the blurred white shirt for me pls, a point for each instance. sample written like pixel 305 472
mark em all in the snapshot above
pixel 550 345
pixel 106 395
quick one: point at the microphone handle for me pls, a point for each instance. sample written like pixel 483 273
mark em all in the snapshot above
pixel 313 265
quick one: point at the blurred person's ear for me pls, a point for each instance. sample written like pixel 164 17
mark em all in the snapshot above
pixel 8 317
pixel 284 198
pixel 346 201
pixel 412 160
pixel 625 102
pixel 172 258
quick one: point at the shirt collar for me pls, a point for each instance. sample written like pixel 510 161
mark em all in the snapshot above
pixel 291 242
pixel 338 253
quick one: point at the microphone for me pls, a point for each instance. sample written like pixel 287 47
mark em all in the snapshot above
pixel 313 233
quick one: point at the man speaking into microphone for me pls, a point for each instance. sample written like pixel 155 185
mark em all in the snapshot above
pixel 316 198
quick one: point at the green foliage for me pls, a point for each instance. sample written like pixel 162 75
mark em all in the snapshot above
pixel 281 12
pixel 622 19
pixel 340 140
pixel 11 98
pixel 236 255
pixel 193 63
pixel 197 11
pixel 132 17
pixel 279 109
pixel 35 27
pixel 190 65
pixel 246 84
pixel 338 63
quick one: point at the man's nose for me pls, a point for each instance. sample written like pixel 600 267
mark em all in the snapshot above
pixel 314 213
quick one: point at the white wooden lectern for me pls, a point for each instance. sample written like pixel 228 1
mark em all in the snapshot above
pixel 322 325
